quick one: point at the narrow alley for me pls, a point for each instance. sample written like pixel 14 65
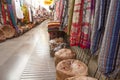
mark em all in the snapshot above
pixel 27 57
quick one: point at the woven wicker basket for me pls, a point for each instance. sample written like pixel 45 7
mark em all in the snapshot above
pixel 63 54
pixel 81 78
pixel 9 31
pixel 2 36
pixel 70 68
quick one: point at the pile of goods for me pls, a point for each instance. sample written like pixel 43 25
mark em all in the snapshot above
pixel 53 26
pixel 56 44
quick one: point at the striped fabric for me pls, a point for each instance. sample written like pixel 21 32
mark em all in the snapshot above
pixel 109 57
pixel 64 20
pixel 94 26
pixel 76 23
pixel 102 7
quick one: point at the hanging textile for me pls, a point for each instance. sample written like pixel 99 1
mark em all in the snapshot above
pixel 12 17
pixel 102 7
pixel 30 14
pixel 18 10
pixel 1 18
pixel 64 20
pixel 76 23
pixel 109 57
pixel 14 11
pixel 25 13
pixel 5 15
pixel 57 15
pixel 59 10
pixel 85 29
pixel 94 27
pixel 70 15
pixel 93 3
pixel 61 7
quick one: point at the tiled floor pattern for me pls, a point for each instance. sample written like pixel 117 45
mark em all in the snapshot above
pixel 40 65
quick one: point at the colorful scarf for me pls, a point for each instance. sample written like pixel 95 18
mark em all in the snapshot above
pixel 109 57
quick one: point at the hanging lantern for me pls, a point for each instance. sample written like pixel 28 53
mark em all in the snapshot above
pixel 48 2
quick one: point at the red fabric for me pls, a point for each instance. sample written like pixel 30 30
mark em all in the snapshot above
pixel 3 14
pixel 6 15
pixel 76 23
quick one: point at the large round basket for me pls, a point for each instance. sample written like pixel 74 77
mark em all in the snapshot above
pixel 70 68
pixel 63 54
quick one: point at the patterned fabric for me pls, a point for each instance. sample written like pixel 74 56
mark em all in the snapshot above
pixel 76 23
pixel 94 27
pixel 109 57
pixel 6 15
pixel 85 31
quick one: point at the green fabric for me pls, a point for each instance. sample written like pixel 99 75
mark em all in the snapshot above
pixel 71 5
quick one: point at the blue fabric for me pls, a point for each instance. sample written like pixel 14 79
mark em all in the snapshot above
pixel 102 8
pixel 114 42
pixel 109 56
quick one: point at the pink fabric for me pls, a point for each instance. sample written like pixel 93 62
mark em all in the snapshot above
pixel 57 10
